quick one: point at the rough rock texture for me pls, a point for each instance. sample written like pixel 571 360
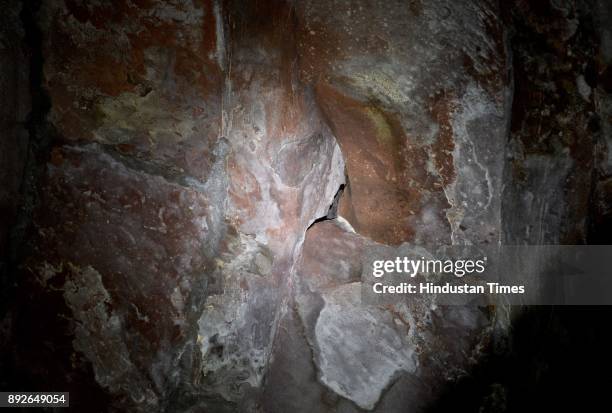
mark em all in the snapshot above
pixel 422 165
pixel 381 358
pixel 176 196
pixel 204 177
pixel 554 126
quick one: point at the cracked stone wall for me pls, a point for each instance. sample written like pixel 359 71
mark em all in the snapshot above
pixel 175 236
pixel 187 162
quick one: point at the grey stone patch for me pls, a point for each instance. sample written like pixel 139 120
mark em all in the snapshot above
pixel 99 330
pixel 534 209
pixel 235 329
pixel 583 88
pixel 295 159
pixel 358 349
pixel 474 215
pixel 263 263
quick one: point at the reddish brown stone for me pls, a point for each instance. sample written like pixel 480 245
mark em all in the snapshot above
pixel 386 173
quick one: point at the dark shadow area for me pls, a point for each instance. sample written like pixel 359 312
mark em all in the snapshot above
pixel 556 359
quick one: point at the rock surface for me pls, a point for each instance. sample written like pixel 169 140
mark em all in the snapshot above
pixel 554 125
pixel 204 177
pixel 176 196
pixel 422 165
pixel 363 353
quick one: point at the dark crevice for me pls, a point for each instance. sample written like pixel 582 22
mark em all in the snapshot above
pixel 332 211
